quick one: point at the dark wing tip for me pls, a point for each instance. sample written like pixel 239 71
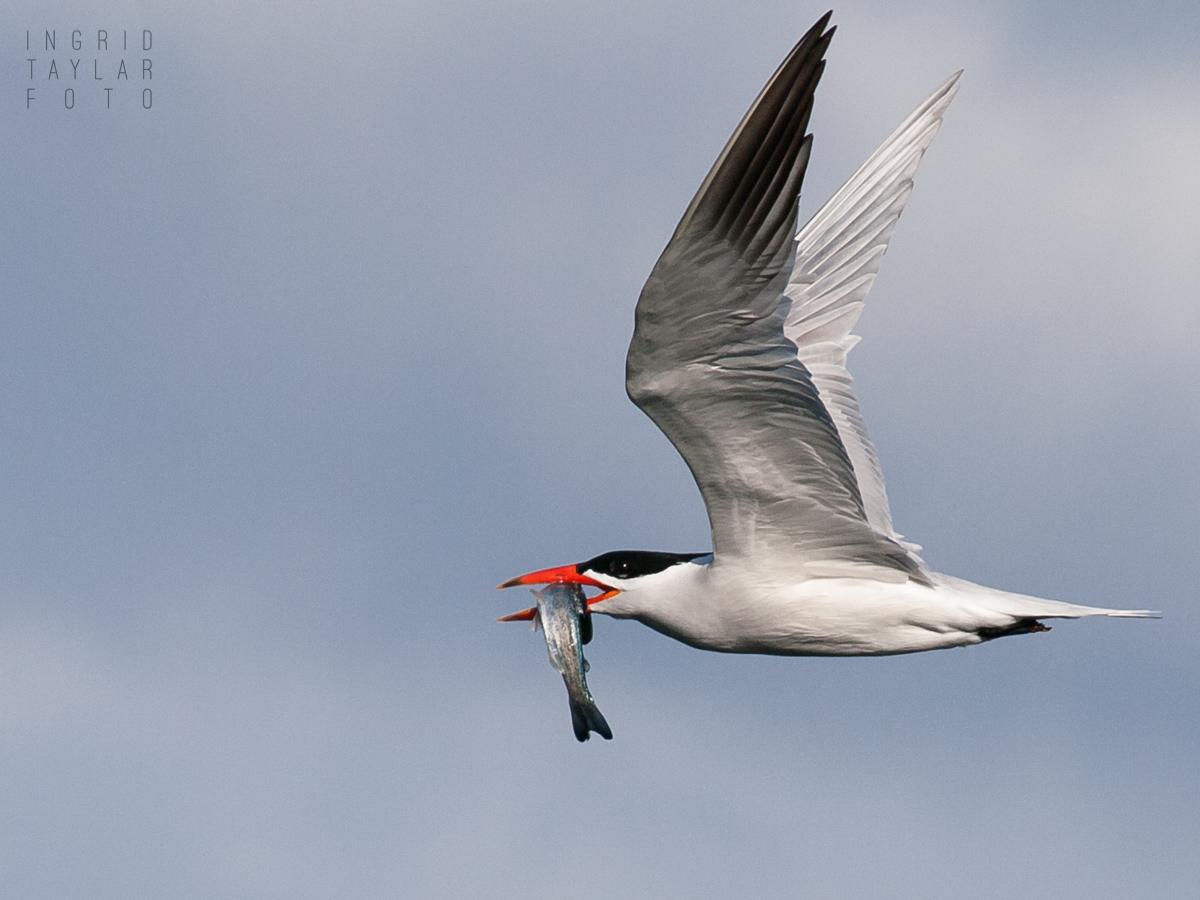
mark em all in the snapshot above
pixel 751 192
pixel 716 285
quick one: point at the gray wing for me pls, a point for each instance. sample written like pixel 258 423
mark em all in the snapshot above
pixel 837 257
pixel 711 365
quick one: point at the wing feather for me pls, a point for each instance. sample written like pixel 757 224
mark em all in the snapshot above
pixel 711 365
pixel 741 337
pixel 838 254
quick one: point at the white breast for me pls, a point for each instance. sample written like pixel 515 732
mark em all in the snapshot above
pixel 741 610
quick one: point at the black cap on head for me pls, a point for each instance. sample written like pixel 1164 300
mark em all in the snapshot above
pixel 634 563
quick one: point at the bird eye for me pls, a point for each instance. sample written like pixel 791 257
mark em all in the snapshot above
pixel 634 563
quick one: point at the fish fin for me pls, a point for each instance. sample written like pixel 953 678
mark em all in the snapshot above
pixel 585 718
pixel 587 666
pixel 585 627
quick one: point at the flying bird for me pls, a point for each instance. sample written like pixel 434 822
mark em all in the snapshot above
pixel 739 357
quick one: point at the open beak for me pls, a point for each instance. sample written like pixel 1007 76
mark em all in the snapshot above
pixel 568 574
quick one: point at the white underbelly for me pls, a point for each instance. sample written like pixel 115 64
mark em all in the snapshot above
pixel 829 617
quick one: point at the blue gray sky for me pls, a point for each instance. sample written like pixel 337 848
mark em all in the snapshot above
pixel 299 363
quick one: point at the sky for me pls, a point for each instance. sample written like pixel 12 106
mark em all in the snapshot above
pixel 301 361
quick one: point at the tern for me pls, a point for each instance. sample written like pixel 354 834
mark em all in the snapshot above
pixel 739 357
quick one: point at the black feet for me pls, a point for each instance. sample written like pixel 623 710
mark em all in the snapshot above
pixel 1021 626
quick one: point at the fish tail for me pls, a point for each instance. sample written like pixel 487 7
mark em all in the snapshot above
pixel 586 717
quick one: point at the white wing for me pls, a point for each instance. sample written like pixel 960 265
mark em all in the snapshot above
pixel 710 364
pixel 837 257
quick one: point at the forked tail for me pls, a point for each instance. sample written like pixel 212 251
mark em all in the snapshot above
pixel 1022 607
pixel 585 718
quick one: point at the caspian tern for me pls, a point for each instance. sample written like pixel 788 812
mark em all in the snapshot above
pixel 739 356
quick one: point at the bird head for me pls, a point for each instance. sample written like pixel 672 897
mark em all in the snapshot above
pixel 611 573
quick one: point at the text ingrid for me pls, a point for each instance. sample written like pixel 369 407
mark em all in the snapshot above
pixel 105 67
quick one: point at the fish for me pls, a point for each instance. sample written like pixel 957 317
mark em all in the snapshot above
pixel 566 623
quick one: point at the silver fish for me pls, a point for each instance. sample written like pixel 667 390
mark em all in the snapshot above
pixel 562 613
